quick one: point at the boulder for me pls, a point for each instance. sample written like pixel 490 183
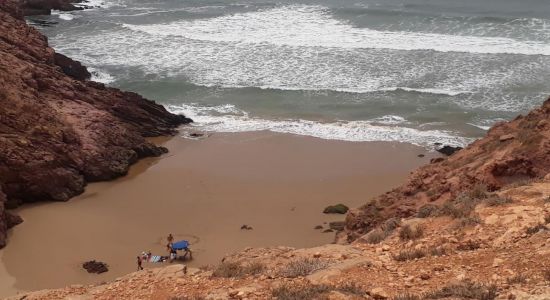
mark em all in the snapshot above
pixel 448 150
pixel 96 267
pixel 336 209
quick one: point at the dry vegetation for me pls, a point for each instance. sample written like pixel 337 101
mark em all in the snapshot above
pixel 235 270
pixel 302 267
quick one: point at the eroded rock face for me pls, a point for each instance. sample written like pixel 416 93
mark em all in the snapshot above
pixel 512 151
pixel 59 131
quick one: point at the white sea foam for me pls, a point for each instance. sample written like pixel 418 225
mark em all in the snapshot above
pixel 98 3
pixel 356 131
pixel 313 26
pixel 305 48
pixel 100 76
pixel 63 15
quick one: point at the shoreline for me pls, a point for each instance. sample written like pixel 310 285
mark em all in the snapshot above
pixel 276 183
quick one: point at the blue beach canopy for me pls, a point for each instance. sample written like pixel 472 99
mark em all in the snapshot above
pixel 181 245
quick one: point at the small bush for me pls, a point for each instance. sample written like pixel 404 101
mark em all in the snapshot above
pixel 469 246
pixel 462 206
pixel 519 278
pixel 428 210
pixel 405 255
pixel 409 232
pixel 478 191
pixel 467 221
pixel 375 236
pixel 498 201
pixel 390 225
pixel 465 290
pixel 233 269
pixel 547 199
pixel 406 296
pixel 351 288
pixel 302 267
pixel 535 229
pixel 289 291
pixel 438 251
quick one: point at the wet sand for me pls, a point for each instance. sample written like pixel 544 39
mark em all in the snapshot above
pixel 203 191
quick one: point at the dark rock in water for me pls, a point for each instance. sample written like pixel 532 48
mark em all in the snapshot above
pixel 449 150
pixel 246 227
pixel 44 7
pixel 318 227
pixel 438 144
pixel 338 226
pixel 336 209
pixel 328 230
pixel 72 68
pixel 96 267
pixel 421 155
pixel 436 160
pixel 196 135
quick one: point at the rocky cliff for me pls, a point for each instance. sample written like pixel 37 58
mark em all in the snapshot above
pixel 512 153
pixel 58 130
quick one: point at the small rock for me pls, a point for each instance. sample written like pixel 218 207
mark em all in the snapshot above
pixel 328 230
pixel 246 227
pixel 497 262
pixel 318 227
pixel 425 276
pixel 507 137
pixel 385 248
pixel 421 155
pixel 379 293
pixel 337 226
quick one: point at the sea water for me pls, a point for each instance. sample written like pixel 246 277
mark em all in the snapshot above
pixel 417 71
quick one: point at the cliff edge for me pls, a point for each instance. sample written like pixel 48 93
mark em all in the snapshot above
pixel 58 130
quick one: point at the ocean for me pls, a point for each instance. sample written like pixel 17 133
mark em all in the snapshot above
pixel 418 71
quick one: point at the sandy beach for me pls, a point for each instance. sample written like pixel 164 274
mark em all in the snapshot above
pixel 204 190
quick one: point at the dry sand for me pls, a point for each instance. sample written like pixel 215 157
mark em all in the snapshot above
pixel 203 191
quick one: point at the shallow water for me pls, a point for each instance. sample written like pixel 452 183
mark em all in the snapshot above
pixel 391 70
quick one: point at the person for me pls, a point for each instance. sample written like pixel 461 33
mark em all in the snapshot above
pixel 170 238
pixel 139 261
pixel 173 255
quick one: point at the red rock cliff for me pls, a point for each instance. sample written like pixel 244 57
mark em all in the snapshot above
pixel 58 130
pixel 511 152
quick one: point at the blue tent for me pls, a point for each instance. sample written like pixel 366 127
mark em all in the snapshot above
pixel 181 245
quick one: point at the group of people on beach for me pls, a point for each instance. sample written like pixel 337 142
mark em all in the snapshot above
pixel 172 253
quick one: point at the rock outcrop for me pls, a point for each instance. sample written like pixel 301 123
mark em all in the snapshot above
pixel 59 131
pixel 512 152
pixel 44 7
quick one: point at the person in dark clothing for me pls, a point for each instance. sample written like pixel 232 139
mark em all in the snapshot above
pixel 139 261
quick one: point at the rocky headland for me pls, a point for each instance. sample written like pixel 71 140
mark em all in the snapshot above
pixel 58 130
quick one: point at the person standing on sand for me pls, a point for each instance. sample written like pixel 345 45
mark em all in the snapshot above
pixel 139 261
